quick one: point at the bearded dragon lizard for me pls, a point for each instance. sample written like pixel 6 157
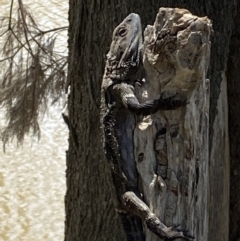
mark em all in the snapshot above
pixel 119 106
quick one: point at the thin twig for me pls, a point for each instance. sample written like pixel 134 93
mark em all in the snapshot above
pixel 4 32
pixel 25 26
pixel 10 15
pixel 52 30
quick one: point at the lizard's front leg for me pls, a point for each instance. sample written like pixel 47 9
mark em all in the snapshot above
pixel 124 93
pixel 136 206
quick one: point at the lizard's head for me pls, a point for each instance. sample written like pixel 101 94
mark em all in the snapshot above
pixel 126 47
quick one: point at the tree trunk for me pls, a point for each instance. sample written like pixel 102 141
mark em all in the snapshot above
pixel 233 85
pixel 172 146
pixel 89 211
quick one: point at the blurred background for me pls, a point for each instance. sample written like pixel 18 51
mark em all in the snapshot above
pixel 32 175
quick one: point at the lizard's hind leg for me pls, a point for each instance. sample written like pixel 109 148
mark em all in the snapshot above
pixel 137 207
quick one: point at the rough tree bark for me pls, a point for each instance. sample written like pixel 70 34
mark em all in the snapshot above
pixel 89 211
pixel 172 146
pixel 233 85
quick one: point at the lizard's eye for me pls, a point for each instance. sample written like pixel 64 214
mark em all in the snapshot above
pixel 122 32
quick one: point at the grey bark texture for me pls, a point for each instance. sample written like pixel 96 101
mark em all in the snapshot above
pixel 89 210
pixel 172 146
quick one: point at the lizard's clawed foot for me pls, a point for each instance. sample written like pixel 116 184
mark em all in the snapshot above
pixel 172 102
pixel 175 232
pixel 168 233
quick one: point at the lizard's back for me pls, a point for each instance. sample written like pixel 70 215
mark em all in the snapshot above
pixel 118 126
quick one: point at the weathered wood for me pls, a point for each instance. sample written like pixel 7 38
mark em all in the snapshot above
pixel 172 147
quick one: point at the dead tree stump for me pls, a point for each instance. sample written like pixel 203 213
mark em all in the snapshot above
pixel 171 147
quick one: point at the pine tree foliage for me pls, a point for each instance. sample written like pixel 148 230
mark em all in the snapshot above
pixel 34 72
